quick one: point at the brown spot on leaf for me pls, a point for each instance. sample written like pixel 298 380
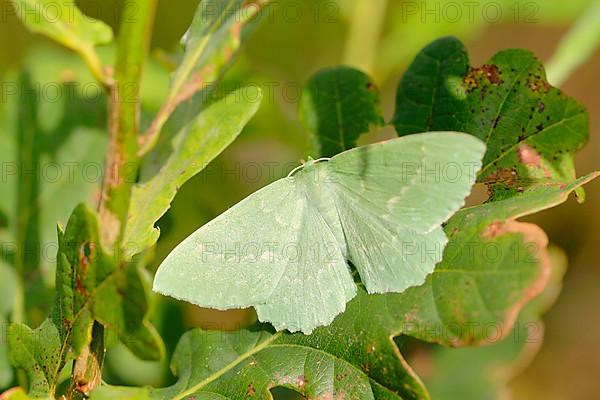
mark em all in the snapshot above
pixel 301 381
pixel 537 84
pixel 492 230
pixel 251 391
pixel 79 286
pixel 490 72
pixel 86 253
pixel 529 156
pixel 507 176
pixel 341 376
pixel 470 81
pixel 82 386
pixel 541 107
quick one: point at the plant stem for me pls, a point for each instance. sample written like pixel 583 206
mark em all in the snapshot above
pixel 576 46
pixel 123 124
pixel 121 166
pixel 365 29
pixel 87 368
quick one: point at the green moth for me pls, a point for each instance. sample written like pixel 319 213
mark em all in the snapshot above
pixel 285 248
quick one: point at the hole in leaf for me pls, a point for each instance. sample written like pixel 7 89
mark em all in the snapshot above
pixel 479 195
pixel 283 393
pixel 417 353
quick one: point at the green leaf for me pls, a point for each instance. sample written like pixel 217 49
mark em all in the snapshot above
pixel 531 129
pixel 8 154
pixel 91 280
pixel 120 303
pixel 336 107
pixel 40 353
pixel 193 143
pixel 215 35
pixel 484 372
pixel 80 260
pixel 66 24
pixel 246 364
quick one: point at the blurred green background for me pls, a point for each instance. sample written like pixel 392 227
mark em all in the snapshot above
pixel 381 37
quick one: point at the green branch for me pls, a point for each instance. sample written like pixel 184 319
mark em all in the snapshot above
pixel 364 34
pixel 124 111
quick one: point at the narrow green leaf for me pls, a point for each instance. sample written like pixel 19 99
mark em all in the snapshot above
pixel 194 143
pixel 337 106
pixel 66 24
pixel 80 260
pixel 531 129
pixel 214 37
